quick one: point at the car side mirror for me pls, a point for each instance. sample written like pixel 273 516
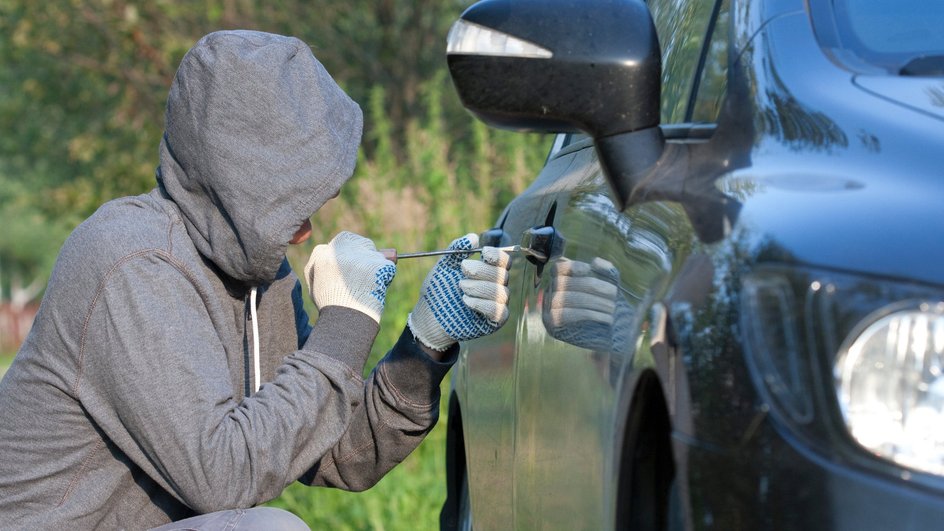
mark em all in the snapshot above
pixel 565 66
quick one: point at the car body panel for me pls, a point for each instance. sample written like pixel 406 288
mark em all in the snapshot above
pixel 921 94
pixel 877 161
pixel 489 375
pixel 583 364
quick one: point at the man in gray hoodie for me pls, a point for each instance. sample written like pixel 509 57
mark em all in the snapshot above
pixel 172 372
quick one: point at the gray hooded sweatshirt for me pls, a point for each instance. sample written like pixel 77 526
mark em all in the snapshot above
pixel 132 402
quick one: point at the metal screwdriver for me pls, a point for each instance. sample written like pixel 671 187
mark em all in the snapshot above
pixel 392 254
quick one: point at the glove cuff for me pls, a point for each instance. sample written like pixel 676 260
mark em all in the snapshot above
pixel 359 301
pixel 427 330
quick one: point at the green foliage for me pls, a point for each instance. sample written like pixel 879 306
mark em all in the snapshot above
pixel 21 251
pixel 5 361
pixel 82 96
pixel 84 84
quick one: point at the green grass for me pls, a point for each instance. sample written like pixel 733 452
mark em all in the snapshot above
pixel 5 360
pixel 409 497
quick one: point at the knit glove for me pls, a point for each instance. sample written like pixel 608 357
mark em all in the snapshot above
pixel 462 299
pixel 349 272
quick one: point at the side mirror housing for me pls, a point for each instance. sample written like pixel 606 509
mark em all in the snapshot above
pixel 564 66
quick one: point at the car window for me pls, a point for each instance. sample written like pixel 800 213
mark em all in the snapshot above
pixel 713 81
pixel 682 26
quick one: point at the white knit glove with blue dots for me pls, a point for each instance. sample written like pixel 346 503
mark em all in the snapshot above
pixel 349 272
pixel 462 298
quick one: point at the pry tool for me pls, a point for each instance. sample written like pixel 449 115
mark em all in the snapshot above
pixel 392 254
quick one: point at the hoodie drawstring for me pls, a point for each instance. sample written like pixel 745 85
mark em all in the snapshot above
pixel 255 338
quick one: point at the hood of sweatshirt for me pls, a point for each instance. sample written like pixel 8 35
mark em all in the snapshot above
pixel 258 137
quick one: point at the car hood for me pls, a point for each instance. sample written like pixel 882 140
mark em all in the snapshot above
pixel 922 94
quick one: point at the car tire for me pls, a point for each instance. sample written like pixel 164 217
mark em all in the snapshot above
pixel 648 486
pixel 456 513
pixel 674 519
pixel 464 517
pixel 652 503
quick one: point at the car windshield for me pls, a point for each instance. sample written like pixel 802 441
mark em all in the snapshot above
pixel 891 33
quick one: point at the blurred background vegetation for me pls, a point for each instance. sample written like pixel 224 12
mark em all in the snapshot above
pixel 82 93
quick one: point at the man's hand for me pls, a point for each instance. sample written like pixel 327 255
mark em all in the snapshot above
pixel 350 272
pixel 462 299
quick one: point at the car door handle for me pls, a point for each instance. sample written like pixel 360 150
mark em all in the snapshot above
pixel 544 240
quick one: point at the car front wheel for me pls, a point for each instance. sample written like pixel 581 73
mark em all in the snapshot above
pixel 465 508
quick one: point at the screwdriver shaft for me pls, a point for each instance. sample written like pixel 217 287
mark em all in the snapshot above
pixel 439 253
pixel 393 255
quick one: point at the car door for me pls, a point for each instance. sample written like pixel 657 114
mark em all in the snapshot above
pixel 488 395
pixel 568 374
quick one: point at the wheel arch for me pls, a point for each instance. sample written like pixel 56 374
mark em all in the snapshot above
pixel 455 465
pixel 646 464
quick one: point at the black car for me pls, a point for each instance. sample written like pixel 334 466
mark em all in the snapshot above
pixel 735 317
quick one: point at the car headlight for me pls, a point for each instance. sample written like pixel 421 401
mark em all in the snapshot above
pixel 889 378
pixel 843 357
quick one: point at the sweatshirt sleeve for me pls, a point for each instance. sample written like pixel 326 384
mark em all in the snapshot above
pixel 400 406
pixel 153 375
